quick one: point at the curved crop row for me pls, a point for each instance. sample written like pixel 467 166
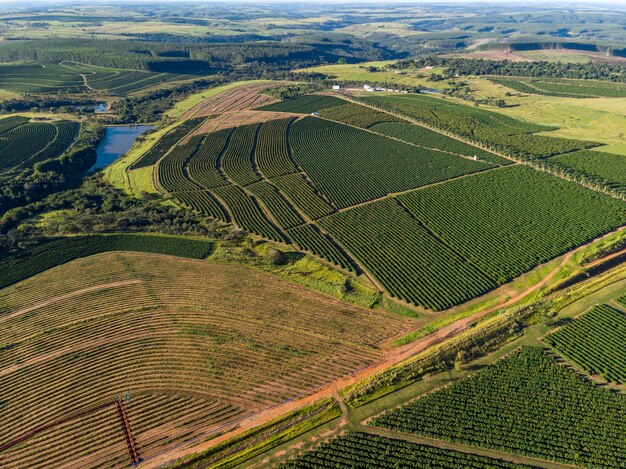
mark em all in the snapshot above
pixel 272 153
pixel 308 238
pixel 236 162
pixel 246 212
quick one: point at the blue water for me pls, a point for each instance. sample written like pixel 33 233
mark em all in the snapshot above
pixel 430 90
pixel 117 141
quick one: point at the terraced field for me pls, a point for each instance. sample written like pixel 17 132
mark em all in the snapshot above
pixel 432 220
pixel 71 77
pixel 25 143
pixel 190 348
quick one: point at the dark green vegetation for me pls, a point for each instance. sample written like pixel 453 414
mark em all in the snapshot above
pixel 563 88
pixel 405 258
pixel 499 132
pixel 345 163
pixel 358 116
pixel 431 139
pixel 361 449
pixel 357 198
pixel 219 175
pixel 526 404
pixel 595 342
pixel 304 104
pixel 464 67
pixel 52 254
pixel 164 145
pixel 25 144
pixel 39 158
pixel 606 169
pixel 507 221
pixel 70 78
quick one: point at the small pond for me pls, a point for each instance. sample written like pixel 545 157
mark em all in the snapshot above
pixel 117 140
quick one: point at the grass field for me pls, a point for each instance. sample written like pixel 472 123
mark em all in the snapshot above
pixel 596 119
pixel 196 345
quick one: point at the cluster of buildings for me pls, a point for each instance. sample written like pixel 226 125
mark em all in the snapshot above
pixel 373 88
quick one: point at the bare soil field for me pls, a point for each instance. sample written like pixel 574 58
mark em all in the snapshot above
pixel 191 349
pixel 236 99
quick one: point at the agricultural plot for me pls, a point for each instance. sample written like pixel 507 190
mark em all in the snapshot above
pixel 563 87
pixel 164 145
pixel 236 99
pixel 358 116
pixel 352 166
pixel 8 123
pixel 304 196
pixel 360 449
pixel 404 257
pixel 236 161
pixel 506 222
pixel 272 151
pixel 286 179
pixel 209 174
pixel 247 214
pixel 431 139
pixel 526 404
pixel 203 168
pixel 191 348
pixel 304 104
pixel 595 342
pixel 26 143
pixel 605 168
pixel 495 130
pixel 64 250
pixel 70 77
pixel 40 78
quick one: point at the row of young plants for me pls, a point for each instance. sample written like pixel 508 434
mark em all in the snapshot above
pixel 176 333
